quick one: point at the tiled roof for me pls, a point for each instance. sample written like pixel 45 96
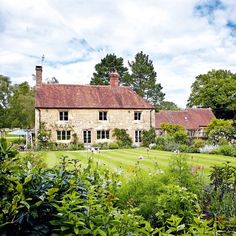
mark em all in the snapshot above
pixel 88 96
pixel 190 118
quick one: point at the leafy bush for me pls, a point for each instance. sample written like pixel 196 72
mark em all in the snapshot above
pixel 6 151
pixel 181 137
pixel 123 139
pixel 219 197
pixel 113 146
pixel 188 149
pixel 148 137
pixel 198 143
pixel 172 128
pixel 37 201
pixel 227 150
pixel 220 131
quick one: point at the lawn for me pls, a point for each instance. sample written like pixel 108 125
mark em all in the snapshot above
pixel 127 159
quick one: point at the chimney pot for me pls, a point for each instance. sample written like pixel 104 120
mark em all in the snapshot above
pixel 39 70
pixel 114 78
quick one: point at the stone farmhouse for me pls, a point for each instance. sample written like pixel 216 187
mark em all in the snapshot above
pixel 194 120
pixel 91 112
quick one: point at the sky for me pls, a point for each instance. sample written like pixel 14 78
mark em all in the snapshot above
pixel 183 38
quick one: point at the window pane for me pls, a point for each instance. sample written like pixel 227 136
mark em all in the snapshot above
pixel 98 134
pixel 100 115
pixel 107 134
pixel 103 115
pixel 66 115
pixel 61 116
pixel 58 135
pixel 103 134
pixel 137 115
pixel 68 135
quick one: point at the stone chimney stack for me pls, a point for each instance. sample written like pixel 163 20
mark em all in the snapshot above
pixel 114 78
pixel 38 76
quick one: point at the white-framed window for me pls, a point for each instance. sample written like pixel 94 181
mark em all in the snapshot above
pixel 63 115
pixel 102 115
pixel 103 134
pixel 87 136
pixel 63 134
pixel 137 115
pixel 138 136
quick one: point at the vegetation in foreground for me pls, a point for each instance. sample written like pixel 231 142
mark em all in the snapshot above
pixel 36 200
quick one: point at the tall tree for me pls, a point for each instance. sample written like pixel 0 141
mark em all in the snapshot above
pixel 143 79
pixel 217 90
pixel 21 106
pixel 5 93
pixel 167 105
pixel 101 76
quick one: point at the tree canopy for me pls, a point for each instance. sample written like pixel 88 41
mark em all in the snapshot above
pixel 102 70
pixel 16 104
pixel 143 79
pixel 5 92
pixel 167 105
pixel 217 90
pixel 220 131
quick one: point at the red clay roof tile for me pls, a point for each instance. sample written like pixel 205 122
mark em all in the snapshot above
pixel 190 118
pixel 88 96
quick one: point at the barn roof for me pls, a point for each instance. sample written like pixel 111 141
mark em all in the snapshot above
pixel 193 118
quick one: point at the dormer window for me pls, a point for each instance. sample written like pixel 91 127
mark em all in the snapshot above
pixel 103 115
pixel 63 115
pixel 137 115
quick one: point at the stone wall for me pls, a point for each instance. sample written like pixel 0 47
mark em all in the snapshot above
pixel 88 119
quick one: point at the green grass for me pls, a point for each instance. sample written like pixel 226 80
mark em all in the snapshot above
pixel 127 159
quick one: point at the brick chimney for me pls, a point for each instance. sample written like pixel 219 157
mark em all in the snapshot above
pixel 114 78
pixel 38 76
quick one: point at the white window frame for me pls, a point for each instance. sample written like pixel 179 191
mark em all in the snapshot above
pixel 103 134
pixel 102 115
pixel 63 135
pixel 63 115
pixel 137 115
pixel 138 136
pixel 87 136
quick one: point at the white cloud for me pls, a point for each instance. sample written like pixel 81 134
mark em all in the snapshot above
pixel 75 35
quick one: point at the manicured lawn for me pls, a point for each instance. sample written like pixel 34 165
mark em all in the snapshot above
pixel 127 159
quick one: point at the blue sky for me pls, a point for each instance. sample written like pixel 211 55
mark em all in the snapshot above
pixel 183 38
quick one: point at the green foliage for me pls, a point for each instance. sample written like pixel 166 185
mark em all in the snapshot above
pixel 148 137
pixel 181 137
pixel 16 104
pixel 219 197
pixel 101 76
pixel 220 130
pixel 216 90
pixel 180 171
pixel 21 106
pixel 167 105
pixel 123 139
pixel 113 146
pixel 5 93
pixel 226 150
pixel 43 136
pixel 198 143
pixel 6 151
pixel 143 79
pixel 160 196
pixel 171 129
pixel 39 201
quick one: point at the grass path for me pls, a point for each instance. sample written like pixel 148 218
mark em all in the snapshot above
pixel 127 159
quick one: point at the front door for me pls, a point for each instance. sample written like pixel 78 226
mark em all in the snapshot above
pixel 87 137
